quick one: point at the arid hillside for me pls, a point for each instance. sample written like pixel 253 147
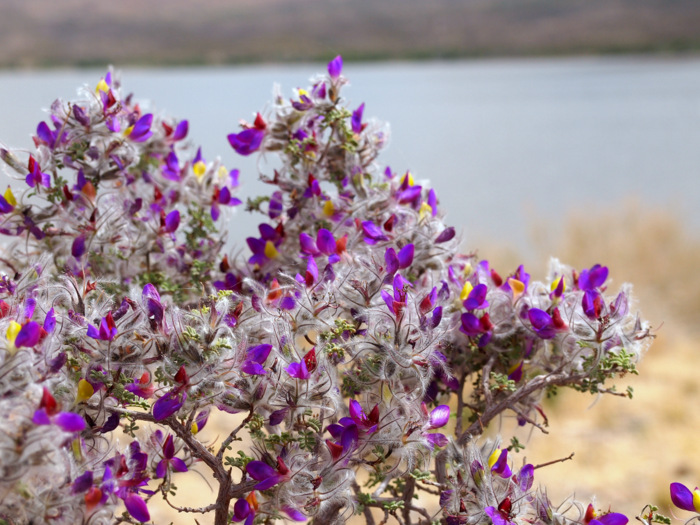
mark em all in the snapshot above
pixel 159 32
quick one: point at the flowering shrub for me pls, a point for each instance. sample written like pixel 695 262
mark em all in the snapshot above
pixel 365 354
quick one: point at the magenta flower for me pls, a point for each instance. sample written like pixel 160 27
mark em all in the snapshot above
pixel 169 461
pixel 356 121
pixel 48 413
pixel 107 330
pixel 438 418
pixel 255 358
pixel 266 475
pixel 141 130
pixel 335 67
pixel 477 298
pixel 247 141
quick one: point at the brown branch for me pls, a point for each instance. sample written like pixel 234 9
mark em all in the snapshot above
pixel 232 436
pixel 561 460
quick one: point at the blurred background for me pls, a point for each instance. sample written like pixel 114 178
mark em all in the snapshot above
pixel 565 128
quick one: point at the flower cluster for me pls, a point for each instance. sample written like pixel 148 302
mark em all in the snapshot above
pixel 343 337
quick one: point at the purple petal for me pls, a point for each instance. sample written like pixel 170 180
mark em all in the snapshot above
pixel 5 207
pixel 325 241
pixel 82 483
pixel 172 221
pixel 436 440
pixel 349 437
pixel 682 497
pixel 613 518
pixel 356 121
pixel 288 303
pixel 542 323
pixel 162 468
pixel 78 247
pixel 247 141
pixel 50 321
pixel 259 470
pixel 241 510
pixel 41 417
pixel 258 354
pixel 406 256
pixel 29 335
pixel 278 416
pixel 439 416
pixel 356 412
pixel 372 232
pixel 298 370
pixel 293 513
pixel 308 245
pixel 80 115
pixel 477 298
pixel 526 476
pixel 392 261
pixel 69 421
pixel 253 369
pixel 167 405
pixel 389 300
pixel 178 465
pixel 137 507
pixel 142 129
pixel 446 235
pixel 495 515
pixel 181 130
pixel 335 67
pixel 44 133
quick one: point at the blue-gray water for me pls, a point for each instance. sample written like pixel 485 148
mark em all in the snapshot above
pixel 502 141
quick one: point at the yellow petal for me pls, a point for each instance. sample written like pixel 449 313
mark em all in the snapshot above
pixel 555 283
pixel 696 499
pixel 303 92
pixel 77 449
pixel 270 250
pixel 85 391
pixel 408 176
pixel 425 210
pixel 222 172
pixel 128 131
pixel 10 197
pixel 12 331
pixel 517 286
pixel 466 290
pixel 468 269
pixel 102 86
pixel 199 168
pixel 494 457
pixel 194 428
pixel 328 208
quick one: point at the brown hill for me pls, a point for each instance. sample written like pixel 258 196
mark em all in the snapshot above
pixel 166 32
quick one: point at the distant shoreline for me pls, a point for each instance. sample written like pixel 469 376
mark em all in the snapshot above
pixel 349 57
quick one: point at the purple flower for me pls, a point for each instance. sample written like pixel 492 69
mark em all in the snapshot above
pixel 593 278
pixel 542 323
pixel 266 475
pixel 29 335
pixel 169 461
pixel 476 300
pixel 335 67
pixel 172 221
pixel 298 370
pixel 683 498
pixel 446 235
pixel 107 330
pixel 498 462
pixel 141 131
pixel 255 358
pixel 78 247
pixel 356 121
pixel 48 413
pixel 247 141
pixel 169 404
pixel 372 233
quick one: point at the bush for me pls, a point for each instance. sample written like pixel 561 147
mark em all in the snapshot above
pixel 364 353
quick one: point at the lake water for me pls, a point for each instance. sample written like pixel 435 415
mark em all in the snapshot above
pixel 502 141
